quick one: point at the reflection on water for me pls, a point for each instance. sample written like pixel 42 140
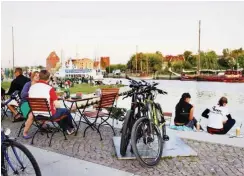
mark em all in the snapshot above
pixel 204 95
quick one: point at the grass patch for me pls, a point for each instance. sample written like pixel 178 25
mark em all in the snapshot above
pixel 5 84
pixel 83 88
pixel 87 88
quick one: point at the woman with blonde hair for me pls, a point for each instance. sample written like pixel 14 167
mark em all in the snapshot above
pixel 25 106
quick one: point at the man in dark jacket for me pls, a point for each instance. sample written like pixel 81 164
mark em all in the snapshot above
pixel 17 84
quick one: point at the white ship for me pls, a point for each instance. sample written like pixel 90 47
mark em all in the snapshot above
pixel 71 72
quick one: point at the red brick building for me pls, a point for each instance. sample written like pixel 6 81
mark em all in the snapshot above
pixel 105 62
pixel 52 60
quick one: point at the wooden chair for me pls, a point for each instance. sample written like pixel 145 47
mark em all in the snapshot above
pixel 41 112
pixel 107 101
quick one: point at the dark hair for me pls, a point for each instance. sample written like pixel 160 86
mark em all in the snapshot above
pixel 184 96
pixel 19 70
pixel 44 75
pixel 222 100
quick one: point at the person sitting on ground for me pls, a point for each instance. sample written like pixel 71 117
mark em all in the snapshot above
pixel 219 118
pixel 24 104
pixel 17 84
pixel 184 112
pixel 42 90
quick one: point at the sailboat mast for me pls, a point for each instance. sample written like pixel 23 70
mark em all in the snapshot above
pixel 13 47
pixel 147 65
pixel 199 50
pixel 136 58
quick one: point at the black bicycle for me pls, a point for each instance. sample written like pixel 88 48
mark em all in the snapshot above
pixel 132 115
pixel 16 159
pixel 146 138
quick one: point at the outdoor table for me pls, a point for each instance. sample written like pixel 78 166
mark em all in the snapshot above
pixel 60 93
pixel 75 101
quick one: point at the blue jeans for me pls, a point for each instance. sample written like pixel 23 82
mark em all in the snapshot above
pixel 65 123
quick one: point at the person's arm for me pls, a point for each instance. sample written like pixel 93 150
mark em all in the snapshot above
pixel 54 98
pixel 205 113
pixel 191 114
pixel 24 93
pixel 12 88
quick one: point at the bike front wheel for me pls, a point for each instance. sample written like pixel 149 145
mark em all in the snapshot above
pixel 146 142
pixel 19 160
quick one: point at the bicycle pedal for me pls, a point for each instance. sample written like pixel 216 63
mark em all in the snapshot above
pixel 165 137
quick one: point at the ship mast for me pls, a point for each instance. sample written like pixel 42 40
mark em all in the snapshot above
pixel 13 47
pixel 199 50
pixel 136 58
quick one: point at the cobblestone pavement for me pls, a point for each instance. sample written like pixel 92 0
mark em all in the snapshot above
pixel 212 159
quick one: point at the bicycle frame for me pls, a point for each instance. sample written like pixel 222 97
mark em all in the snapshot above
pixel 5 142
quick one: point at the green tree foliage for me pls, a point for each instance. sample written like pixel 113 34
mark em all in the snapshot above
pixel 209 60
pixel 240 61
pixel 152 60
pixel 177 66
pixel 113 67
pixel 226 52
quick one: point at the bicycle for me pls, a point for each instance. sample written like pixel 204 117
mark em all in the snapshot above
pixel 13 155
pixel 146 134
pixel 131 115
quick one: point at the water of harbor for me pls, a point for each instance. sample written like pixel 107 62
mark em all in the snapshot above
pixel 204 95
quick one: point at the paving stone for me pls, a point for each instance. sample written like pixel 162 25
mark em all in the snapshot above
pixel 212 159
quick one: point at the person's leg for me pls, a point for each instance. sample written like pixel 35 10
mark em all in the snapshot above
pixel 228 125
pixel 28 124
pixel 12 109
pixel 190 124
pixel 214 131
pixel 66 121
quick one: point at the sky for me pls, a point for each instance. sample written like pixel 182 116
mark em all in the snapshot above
pixel 114 29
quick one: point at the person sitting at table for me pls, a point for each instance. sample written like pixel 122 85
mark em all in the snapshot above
pixel 42 90
pixel 219 118
pixel 24 104
pixel 16 85
pixel 184 112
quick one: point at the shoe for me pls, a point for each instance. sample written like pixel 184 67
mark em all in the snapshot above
pixel 70 131
pixel 20 119
pixel 27 137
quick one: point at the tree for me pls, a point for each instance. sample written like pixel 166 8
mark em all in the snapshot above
pixel 240 61
pixel 187 65
pixel 209 60
pixel 231 62
pixel 151 60
pixel 226 52
pixel 177 66
pixel 113 67
pixel 41 67
pixel 187 54
pixel 223 63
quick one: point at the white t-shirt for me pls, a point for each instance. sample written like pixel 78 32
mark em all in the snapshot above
pixel 216 116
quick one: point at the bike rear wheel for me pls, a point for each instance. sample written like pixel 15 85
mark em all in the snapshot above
pixel 19 160
pixel 125 136
pixel 146 143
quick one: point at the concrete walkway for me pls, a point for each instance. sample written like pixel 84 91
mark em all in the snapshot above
pixel 52 163
pixel 206 137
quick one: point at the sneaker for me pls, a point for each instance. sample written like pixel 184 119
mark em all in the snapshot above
pixel 70 131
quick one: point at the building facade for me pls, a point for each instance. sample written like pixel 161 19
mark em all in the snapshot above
pixel 84 63
pixel 105 62
pixel 51 61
